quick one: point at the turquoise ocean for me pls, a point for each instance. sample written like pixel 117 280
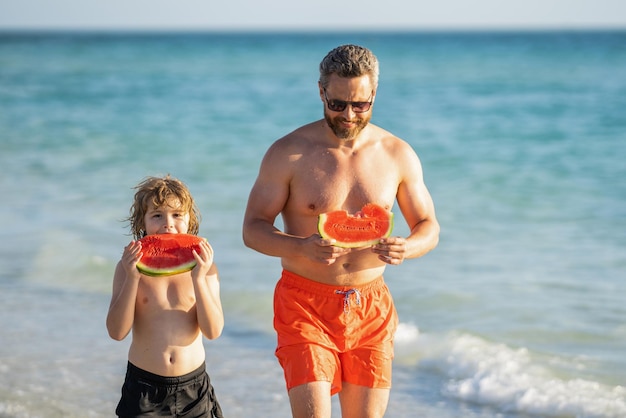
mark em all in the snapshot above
pixel 519 312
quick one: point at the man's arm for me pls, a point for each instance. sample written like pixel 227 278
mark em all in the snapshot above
pixel 418 209
pixel 267 199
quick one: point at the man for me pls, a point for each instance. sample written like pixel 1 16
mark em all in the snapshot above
pixel 333 313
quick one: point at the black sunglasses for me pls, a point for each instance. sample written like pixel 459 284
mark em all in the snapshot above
pixel 340 105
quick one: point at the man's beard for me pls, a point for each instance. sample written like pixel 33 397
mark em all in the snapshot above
pixel 346 133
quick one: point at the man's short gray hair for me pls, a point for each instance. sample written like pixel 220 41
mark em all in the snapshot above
pixel 349 61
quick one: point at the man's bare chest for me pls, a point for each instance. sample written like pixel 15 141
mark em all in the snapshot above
pixel 324 187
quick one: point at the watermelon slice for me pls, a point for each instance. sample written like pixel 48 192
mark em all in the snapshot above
pixel 362 229
pixel 168 254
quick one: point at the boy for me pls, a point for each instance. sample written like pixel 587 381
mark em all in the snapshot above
pixel 166 373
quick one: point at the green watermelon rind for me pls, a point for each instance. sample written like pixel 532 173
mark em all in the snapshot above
pixel 165 271
pixel 322 219
pixel 182 268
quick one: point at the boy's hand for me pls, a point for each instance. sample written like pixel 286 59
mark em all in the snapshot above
pixel 204 259
pixel 130 257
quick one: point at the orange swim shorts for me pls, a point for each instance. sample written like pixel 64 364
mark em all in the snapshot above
pixel 334 333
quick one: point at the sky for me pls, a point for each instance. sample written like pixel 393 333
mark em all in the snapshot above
pixel 311 15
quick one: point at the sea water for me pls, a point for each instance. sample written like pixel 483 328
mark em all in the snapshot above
pixel 520 310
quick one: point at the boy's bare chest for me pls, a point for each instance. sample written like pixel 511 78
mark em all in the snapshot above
pixel 171 292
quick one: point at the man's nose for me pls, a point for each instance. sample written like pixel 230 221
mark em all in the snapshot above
pixel 348 112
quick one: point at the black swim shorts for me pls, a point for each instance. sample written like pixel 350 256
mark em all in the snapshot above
pixel 145 394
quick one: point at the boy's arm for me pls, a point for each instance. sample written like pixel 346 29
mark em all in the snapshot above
pixel 206 285
pixel 121 313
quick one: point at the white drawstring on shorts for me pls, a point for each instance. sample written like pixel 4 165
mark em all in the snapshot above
pixel 346 298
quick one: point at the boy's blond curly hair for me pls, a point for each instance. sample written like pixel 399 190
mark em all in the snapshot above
pixel 158 191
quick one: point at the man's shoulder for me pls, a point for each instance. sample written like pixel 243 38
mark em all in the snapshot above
pixel 305 131
pixel 283 150
pixel 396 148
pixel 298 138
pixel 381 133
pixel 388 139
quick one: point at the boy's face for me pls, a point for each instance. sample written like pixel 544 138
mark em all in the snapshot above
pixel 167 219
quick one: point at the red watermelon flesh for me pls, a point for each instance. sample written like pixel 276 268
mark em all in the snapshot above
pixel 168 254
pixel 362 229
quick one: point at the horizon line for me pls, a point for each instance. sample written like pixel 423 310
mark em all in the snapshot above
pixel 311 30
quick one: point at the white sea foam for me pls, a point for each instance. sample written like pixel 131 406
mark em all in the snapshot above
pixel 509 379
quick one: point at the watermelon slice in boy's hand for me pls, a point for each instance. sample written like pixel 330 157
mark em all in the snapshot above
pixel 362 229
pixel 168 254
